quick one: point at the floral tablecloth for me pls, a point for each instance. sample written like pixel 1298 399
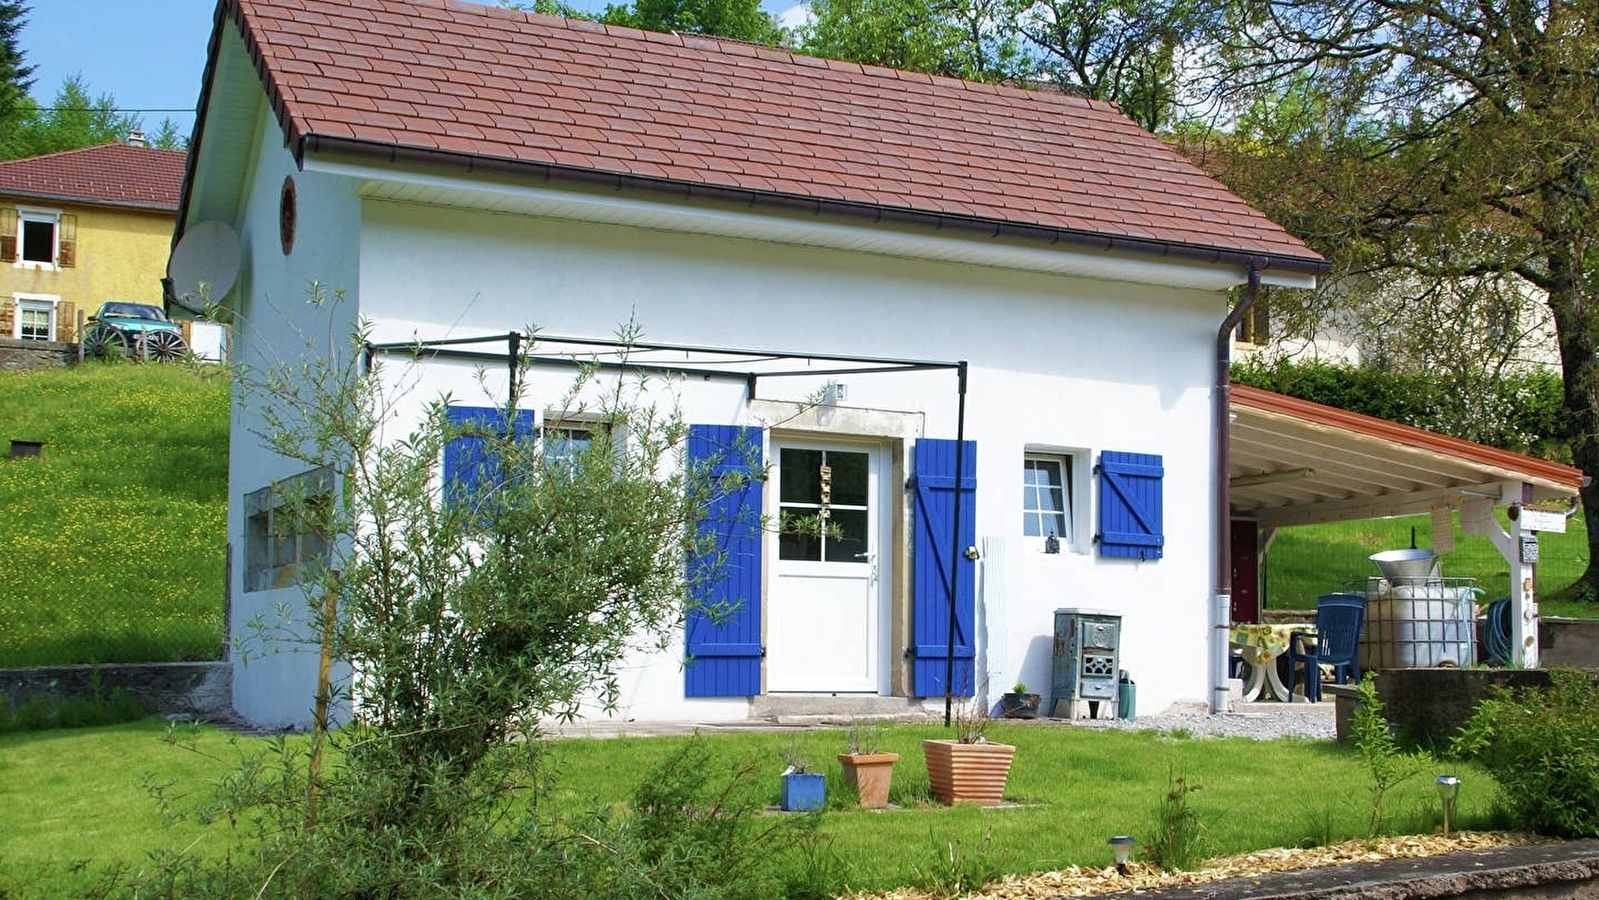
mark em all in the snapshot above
pixel 1260 645
pixel 1263 642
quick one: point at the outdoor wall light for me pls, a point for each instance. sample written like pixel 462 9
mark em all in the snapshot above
pixel 1122 844
pixel 1448 786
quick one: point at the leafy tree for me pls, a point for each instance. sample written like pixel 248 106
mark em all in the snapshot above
pixel 959 39
pixel 73 120
pixel 1458 144
pixel 1123 51
pixel 168 137
pixel 739 19
pixel 15 78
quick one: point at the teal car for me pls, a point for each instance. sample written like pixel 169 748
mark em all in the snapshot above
pixel 133 329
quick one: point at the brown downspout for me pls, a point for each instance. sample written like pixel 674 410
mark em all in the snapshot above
pixel 1221 610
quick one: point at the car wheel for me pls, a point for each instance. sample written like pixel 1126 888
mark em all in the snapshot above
pixel 101 341
pixel 165 346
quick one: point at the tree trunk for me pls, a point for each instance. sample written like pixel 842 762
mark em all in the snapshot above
pixel 1577 328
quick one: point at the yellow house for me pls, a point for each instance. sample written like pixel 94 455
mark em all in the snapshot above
pixel 82 227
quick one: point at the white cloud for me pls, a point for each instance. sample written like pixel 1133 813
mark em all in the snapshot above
pixel 796 16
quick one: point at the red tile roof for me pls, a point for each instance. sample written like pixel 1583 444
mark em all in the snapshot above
pixel 464 78
pixel 115 174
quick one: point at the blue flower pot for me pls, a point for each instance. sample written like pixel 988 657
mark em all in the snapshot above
pixel 804 791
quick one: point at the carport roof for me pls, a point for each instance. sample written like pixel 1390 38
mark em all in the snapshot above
pixel 1293 462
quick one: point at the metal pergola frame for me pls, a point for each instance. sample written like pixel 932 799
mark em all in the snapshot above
pixel 718 362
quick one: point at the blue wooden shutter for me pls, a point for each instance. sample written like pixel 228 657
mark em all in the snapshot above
pixel 934 518
pixel 1130 505
pixel 468 464
pixel 724 649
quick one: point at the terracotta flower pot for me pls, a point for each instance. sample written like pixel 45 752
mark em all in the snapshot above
pixel 871 774
pixel 967 773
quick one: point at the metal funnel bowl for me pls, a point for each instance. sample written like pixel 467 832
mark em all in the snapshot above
pixel 1398 564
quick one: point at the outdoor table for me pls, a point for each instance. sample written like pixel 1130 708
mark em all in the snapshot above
pixel 1260 645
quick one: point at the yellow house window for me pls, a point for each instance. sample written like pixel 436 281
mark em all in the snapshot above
pixel 40 238
pixel 35 318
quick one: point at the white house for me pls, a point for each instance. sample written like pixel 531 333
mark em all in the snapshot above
pixel 463 171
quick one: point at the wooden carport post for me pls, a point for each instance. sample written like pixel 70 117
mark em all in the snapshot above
pixel 1476 517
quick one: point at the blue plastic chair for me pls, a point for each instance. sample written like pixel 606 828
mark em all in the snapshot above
pixel 1336 643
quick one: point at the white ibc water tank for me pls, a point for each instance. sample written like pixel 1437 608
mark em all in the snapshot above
pixel 1416 619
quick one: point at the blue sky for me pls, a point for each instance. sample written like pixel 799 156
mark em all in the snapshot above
pixel 148 54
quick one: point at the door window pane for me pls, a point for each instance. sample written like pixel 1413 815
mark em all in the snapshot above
pixel 801 479
pixel 824 518
pixel 851 472
pixel 846 536
pixel 799 536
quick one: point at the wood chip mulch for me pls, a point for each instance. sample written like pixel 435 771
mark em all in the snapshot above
pixel 1086 882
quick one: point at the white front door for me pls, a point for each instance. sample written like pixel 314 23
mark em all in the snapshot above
pixel 824 621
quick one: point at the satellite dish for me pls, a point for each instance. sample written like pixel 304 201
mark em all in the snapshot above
pixel 204 265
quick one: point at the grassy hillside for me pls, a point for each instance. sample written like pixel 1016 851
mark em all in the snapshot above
pixel 113 544
pixel 1308 560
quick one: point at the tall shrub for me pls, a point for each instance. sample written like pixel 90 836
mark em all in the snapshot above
pixel 469 611
pixel 1542 747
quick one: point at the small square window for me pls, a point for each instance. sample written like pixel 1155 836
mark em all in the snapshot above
pixel 284 531
pixel 38 240
pixel 1046 492
pixel 1050 505
pixel 33 317
pixel 564 442
pixel 35 320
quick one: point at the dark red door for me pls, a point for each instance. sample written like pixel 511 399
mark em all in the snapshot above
pixel 1246 572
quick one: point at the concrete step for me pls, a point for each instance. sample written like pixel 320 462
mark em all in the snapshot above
pixel 829 708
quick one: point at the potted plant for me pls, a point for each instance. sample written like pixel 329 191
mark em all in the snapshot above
pixel 803 790
pixel 1018 704
pixel 868 768
pixel 968 769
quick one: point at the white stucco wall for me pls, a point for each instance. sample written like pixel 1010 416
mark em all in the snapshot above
pixel 275 665
pixel 1055 361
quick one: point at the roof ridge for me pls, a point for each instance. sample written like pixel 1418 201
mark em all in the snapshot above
pixel 445 78
pixel 687 39
pixel 75 150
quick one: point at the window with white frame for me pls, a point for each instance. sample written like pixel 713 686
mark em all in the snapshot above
pixel 38 238
pixel 285 530
pixel 1049 498
pixel 34 318
pixel 565 441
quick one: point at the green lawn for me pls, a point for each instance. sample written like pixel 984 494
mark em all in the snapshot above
pixel 76 795
pixel 1308 560
pixel 115 540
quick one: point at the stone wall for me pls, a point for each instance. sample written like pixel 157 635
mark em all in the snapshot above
pixel 27 356
pixel 203 689
pixel 1430 705
pixel 1568 642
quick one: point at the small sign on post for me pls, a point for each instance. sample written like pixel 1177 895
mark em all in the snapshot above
pixel 1543 520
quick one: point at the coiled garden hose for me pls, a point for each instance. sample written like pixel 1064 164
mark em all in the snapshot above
pixel 1496 632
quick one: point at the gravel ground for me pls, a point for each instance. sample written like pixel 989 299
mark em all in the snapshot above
pixel 1261 721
